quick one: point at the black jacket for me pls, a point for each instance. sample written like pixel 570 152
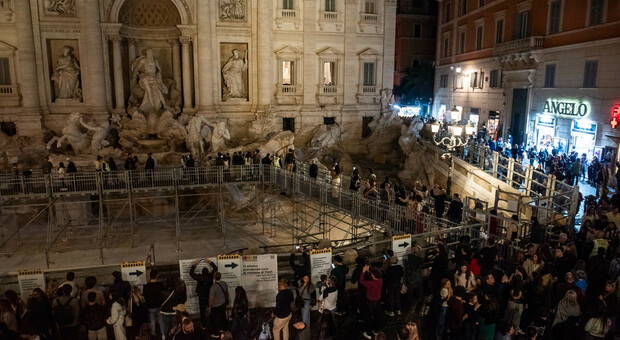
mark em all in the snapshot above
pixel 94 317
pixel 314 170
pixel 203 282
pixel 150 164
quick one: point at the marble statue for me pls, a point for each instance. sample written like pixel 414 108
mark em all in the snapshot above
pixel 220 134
pixel 232 9
pixel 174 98
pixel 169 129
pixel 62 7
pixel 73 136
pixel 198 131
pixel 147 71
pixel 67 75
pixel 98 141
pixel 387 99
pixel 232 72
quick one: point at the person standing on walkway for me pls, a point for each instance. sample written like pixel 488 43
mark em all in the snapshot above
pixel 218 301
pixel 314 170
pixel 204 281
pixel 95 318
pixel 371 279
pixel 289 159
pixel 340 271
pixel 153 296
pixel 117 315
pixel 439 195
pixel 282 313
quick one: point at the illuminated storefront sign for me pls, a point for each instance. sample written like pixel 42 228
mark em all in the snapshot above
pixel 545 120
pixel 615 116
pixel 584 126
pixel 566 107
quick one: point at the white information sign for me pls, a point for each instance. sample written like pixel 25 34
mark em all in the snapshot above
pixel 29 280
pixel 191 305
pixel 320 263
pixel 230 267
pixel 400 246
pixel 134 272
pixel 260 279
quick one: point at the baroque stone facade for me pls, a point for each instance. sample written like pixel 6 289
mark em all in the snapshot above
pixel 295 63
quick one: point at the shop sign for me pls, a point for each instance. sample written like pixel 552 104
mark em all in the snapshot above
pixel 615 114
pixel 545 120
pixel 584 126
pixel 566 107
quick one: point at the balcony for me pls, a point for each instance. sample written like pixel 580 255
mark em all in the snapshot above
pixel 288 14
pixel 330 95
pixel 330 16
pixel 330 89
pixel 367 94
pixel 371 19
pixel 8 90
pixel 519 46
pixel 288 89
pixel 9 95
pixel 289 94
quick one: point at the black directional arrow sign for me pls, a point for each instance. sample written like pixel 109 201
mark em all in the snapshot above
pixel 137 273
pixel 232 265
pixel 404 245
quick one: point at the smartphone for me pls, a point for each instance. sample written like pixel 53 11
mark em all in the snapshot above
pixel 384 257
pixel 296 247
pixel 202 260
pixel 333 266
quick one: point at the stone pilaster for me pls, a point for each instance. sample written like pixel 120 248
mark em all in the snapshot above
pixel 206 98
pixel 310 73
pixel 265 53
pixel 389 36
pixel 187 72
pixel 28 81
pixel 94 75
pixel 131 49
pixel 117 62
pixel 351 60
pixel 176 62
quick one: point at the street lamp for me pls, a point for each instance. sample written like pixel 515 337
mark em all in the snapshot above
pixel 453 140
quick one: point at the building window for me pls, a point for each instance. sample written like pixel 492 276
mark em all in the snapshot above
pixel 555 12
pixel 596 12
pixel 499 31
pixel 287 4
pixel 432 32
pixel 369 74
pixel 329 73
pixel 458 81
pixel 288 124
pixel 480 3
pixel 550 75
pixel 366 131
pixel 479 38
pixel 476 80
pixel 288 72
pixel 330 5
pixel 370 7
pixel 463 7
pixel 443 81
pixel 447 12
pixel 329 120
pixel 5 72
pixel 462 42
pixel 417 30
pixel 446 46
pixel 522 25
pixel 8 128
pixel 589 74
pixel 494 79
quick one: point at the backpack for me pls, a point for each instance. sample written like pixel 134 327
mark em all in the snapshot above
pixel 298 302
pixel 63 314
pixel 265 333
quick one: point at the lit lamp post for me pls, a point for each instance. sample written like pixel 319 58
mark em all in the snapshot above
pixel 453 140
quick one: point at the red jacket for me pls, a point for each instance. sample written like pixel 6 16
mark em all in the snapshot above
pixel 373 288
pixel 455 313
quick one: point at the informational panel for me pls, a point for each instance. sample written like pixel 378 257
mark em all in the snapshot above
pixel 400 246
pixel 259 276
pixel 29 280
pixel 320 263
pixel 134 272
pixel 191 305
pixel 230 267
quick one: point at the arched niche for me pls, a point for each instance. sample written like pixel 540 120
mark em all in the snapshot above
pixel 183 9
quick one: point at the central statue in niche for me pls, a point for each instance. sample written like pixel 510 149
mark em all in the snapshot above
pixel 150 87
pixel 232 73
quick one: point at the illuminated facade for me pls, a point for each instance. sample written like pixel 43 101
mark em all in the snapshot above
pixel 541 71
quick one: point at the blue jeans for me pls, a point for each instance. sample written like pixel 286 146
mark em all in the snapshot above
pixel 166 322
pixel 441 322
pixel 305 313
pixel 154 318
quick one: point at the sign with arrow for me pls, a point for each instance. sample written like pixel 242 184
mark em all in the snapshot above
pixel 230 267
pixel 401 245
pixel 134 272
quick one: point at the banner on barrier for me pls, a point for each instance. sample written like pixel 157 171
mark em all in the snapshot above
pixel 191 305
pixel 320 263
pixel 260 279
pixel 29 280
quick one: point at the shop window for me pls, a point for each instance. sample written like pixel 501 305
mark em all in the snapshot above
pixel 5 72
pixel 366 131
pixel 550 75
pixel 596 12
pixel 555 14
pixel 8 128
pixel 443 81
pixel 288 124
pixel 287 4
pixel 590 73
pixel 479 31
pixel 494 79
pixel 499 31
pixel 329 120
pixel 417 30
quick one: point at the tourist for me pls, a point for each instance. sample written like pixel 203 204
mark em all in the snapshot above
pixel 47 166
pixel 153 291
pixel 130 163
pixel 89 283
pixel 370 192
pixel 118 312
pixel 308 294
pixel 95 318
pixel 240 314
pixel 598 326
pixel 121 286
pixel 329 296
pixel 290 160
pixel 71 168
pixel 218 301
pixel 335 173
pixel 71 282
pixel 66 313
pixel 97 163
pixel 188 331
pixel 456 313
pixel 373 282
pixel 355 180
pixel 282 312
pixel 471 318
pixel 314 170
pixel 320 288
pixel 299 260
pixel 455 210
pixel 465 278
pixel 7 316
pixel 439 195
pixel 204 281
pixel 340 271
pixel 512 230
pixel 150 162
pixel 392 283
pixel 176 295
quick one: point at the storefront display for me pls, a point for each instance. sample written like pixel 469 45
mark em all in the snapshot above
pixel 493 124
pixel 583 136
pixel 545 132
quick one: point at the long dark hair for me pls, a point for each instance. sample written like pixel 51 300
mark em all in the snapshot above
pixel 240 294
pixel 117 297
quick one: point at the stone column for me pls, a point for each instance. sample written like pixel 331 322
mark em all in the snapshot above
pixel 131 50
pixel 176 62
pixel 265 53
pixel 28 81
pixel 351 62
pixel 187 72
pixel 117 61
pixel 389 36
pixel 94 75
pixel 310 64
pixel 205 55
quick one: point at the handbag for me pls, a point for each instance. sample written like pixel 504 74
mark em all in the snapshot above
pixel 128 320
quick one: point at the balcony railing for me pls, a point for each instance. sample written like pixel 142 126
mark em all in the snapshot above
pixel 288 14
pixel 520 45
pixel 8 90
pixel 368 90
pixel 288 89
pixel 369 18
pixel 332 16
pixel 330 89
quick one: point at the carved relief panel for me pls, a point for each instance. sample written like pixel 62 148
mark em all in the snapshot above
pixel 232 10
pixel 62 8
